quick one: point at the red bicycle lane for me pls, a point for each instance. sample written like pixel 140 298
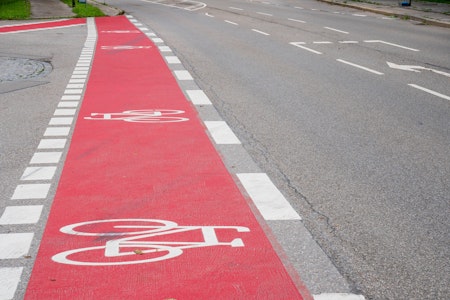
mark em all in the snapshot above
pixel 145 208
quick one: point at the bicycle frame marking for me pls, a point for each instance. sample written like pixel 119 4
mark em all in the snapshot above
pixel 141 116
pixel 129 241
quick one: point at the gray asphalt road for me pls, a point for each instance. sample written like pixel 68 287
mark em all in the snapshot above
pixel 361 149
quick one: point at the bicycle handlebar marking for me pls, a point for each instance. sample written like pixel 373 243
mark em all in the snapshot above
pixel 141 116
pixel 129 240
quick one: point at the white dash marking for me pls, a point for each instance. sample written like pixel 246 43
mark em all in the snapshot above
pixel 164 49
pixel 172 60
pixel 74 91
pixel 38 173
pixel 359 15
pixel 183 75
pixel 236 8
pixel 157 40
pixel 430 91
pixel 75 86
pixel 268 199
pixel 299 45
pixel 65 112
pixel 232 23
pixel 391 44
pixel 359 67
pixel 298 7
pixel 260 32
pixel 264 14
pixel 9 280
pixel 68 104
pixel 46 158
pixel 337 30
pixel 57 131
pixel 61 121
pixel 31 191
pixel 322 42
pixel 71 97
pixel 221 133
pixel 15 245
pixel 52 144
pixel 28 214
pixel 198 97
pixel 338 296
pixel 348 42
pixel 296 20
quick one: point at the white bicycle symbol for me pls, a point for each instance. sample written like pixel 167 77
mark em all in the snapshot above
pixel 128 244
pixel 141 116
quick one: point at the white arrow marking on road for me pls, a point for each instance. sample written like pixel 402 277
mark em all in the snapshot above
pixel 415 68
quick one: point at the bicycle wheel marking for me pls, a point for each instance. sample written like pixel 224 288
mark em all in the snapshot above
pixel 130 243
pixel 141 116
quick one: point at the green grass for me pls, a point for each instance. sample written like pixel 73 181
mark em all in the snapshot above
pixel 14 9
pixel 82 10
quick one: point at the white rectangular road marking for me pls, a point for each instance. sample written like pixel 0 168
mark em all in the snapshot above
pixel 74 91
pixel 235 8
pixel 322 42
pixel 221 133
pixel 71 97
pixel 46 158
pixel 157 40
pixel 348 42
pixel 61 121
pixel 299 45
pixel 268 199
pixel 52 144
pixel 337 30
pixel 15 245
pixel 68 104
pixel 38 173
pixel 260 32
pixel 429 91
pixel 65 112
pixel 198 97
pixel 164 49
pixel 77 81
pixel 392 44
pixel 359 67
pixel 172 60
pixel 31 191
pixel 295 20
pixel 27 214
pixel 232 23
pixel 9 279
pixel 183 75
pixel 57 131
pixel 339 296
pixel 264 14
pixel 75 86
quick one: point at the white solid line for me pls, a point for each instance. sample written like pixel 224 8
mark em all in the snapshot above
pixel 61 121
pixel 264 14
pixel 15 245
pixel 221 133
pixel 359 67
pixel 52 144
pixel 31 191
pixel 46 158
pixel 260 32
pixel 232 23
pixel 235 8
pixel 27 214
pixel 295 20
pixel 268 199
pixel 68 104
pixel 322 42
pixel 57 131
pixel 299 45
pixel 392 44
pixel 337 30
pixel 38 173
pixel 183 75
pixel 65 112
pixel 9 280
pixel 198 97
pixel 429 91
pixel 172 60
pixel 348 42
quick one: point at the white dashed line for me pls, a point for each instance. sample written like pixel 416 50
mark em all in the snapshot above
pixel 295 20
pixel 337 30
pixel 198 97
pixel 429 91
pixel 46 158
pixel 391 44
pixel 359 67
pixel 221 133
pixel 172 60
pixel 38 173
pixel 260 32
pixel 183 75
pixel 31 191
pixel 9 279
pixel 322 42
pixel 52 144
pixel 164 49
pixel 348 42
pixel 264 14
pixel 57 131
pixel 27 214
pixel 268 199
pixel 235 8
pixel 299 45
pixel 232 23
pixel 61 121
pixel 15 245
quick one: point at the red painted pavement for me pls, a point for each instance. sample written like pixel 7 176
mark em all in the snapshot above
pixel 166 171
pixel 42 25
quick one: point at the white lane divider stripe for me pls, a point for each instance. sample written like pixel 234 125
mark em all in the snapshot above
pixel 359 67
pixel 235 8
pixel 57 131
pixel 38 173
pixel 391 44
pixel 338 296
pixel 429 91
pixel 299 45
pixel 296 20
pixel 15 245
pixel 221 133
pixel 260 32
pixel 268 199
pixel 183 75
pixel 52 144
pixel 172 59
pixel 337 30
pixel 198 97
pixel 232 23
pixel 31 191
pixel 264 14
pixel 9 279
pixel 46 158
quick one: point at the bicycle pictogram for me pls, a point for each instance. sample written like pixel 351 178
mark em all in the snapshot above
pixel 141 116
pixel 136 241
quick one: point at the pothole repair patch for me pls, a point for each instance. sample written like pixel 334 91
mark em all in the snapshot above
pixel 14 68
